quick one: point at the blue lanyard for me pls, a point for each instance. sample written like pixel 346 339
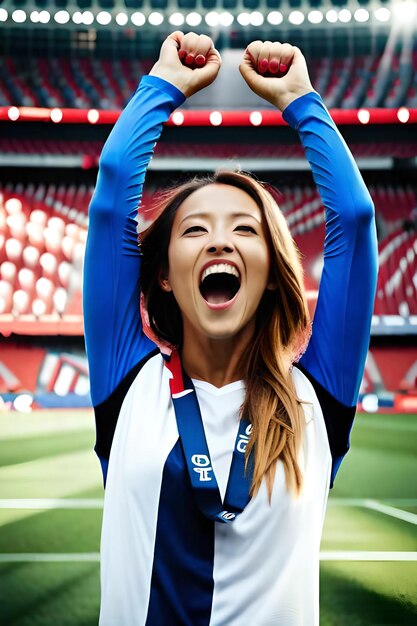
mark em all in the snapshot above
pixel 197 455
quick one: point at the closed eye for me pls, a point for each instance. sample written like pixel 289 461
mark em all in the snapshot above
pixel 247 229
pixel 195 229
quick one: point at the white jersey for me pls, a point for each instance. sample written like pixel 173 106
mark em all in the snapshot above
pixel 263 569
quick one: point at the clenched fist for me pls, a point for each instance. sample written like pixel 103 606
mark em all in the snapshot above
pixel 190 62
pixel 275 71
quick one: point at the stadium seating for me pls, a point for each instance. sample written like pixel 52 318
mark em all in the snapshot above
pixel 43 233
pixel 92 82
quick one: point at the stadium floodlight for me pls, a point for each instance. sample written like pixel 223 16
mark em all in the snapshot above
pixel 382 14
pixel 56 115
pixel 138 18
pixel 3 15
pixel 364 116
pixel 93 116
pixel 178 118
pixel 361 15
pixel 13 114
pixel 296 18
pixel 226 19
pixel 122 19
pixel 77 17
pixel 216 118
pixel 212 18
pixel 315 16
pixel 256 18
pixel 62 17
pixel 176 19
pixel 403 115
pixel 275 18
pixel 155 18
pixel 331 16
pixel 34 17
pixel 193 18
pixel 103 18
pixel 88 18
pixel 345 16
pixel 44 17
pixel 19 16
pixel 243 18
pixel 255 118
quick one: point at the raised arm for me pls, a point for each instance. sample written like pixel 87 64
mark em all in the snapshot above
pixel 114 338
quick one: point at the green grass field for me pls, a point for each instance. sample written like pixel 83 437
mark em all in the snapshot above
pixel 50 515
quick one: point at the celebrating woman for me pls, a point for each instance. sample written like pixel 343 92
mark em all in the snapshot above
pixel 222 417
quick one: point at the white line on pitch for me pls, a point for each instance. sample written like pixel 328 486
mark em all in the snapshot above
pixel 94 557
pixel 405 516
pixel 367 556
pixel 51 503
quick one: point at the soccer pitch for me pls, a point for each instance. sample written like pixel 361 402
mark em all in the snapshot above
pixel 51 506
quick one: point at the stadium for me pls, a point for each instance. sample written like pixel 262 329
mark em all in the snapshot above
pixel 67 70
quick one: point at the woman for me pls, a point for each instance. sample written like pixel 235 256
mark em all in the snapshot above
pixel 221 452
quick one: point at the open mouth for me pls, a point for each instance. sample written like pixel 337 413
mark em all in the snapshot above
pixel 219 286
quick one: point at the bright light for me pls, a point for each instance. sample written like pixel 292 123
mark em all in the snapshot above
pixel 13 205
pixel 44 17
pixel 77 17
pixel 34 17
pixel 56 115
pixel 243 19
pixel 370 403
pixel 23 403
pixel 177 19
pixel 226 19
pixel 403 115
pixel 216 118
pixel 138 18
pixel 315 17
pixel 87 18
pixel 13 114
pixel 382 14
pixel 122 19
pixel 178 118
pixel 296 18
pixel 62 17
pixel 256 18
pixel 103 18
pixel 361 15
pixel 19 16
pixel 275 18
pixel 155 18
pixel 364 116
pixel 255 118
pixel 405 12
pixel 212 18
pixel 93 116
pixel 345 16
pixel 331 16
pixel 193 19
pixel 3 15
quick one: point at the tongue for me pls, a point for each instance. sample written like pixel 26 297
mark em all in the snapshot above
pixel 217 296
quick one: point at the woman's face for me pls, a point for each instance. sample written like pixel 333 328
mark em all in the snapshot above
pixel 219 261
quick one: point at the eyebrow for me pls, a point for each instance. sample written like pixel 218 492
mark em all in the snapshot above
pixel 208 215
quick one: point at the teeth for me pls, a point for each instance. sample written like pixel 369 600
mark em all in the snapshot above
pixel 220 268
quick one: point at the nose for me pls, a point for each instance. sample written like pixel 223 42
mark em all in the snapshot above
pixel 218 248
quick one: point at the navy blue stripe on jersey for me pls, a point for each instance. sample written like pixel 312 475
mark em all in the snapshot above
pixel 338 419
pixel 107 413
pixel 182 576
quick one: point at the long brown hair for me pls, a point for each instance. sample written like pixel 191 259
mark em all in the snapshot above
pixel 282 328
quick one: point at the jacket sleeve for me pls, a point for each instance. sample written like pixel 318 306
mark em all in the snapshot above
pixel 114 338
pixel 335 357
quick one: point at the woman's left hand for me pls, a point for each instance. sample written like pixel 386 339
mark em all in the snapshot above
pixel 276 71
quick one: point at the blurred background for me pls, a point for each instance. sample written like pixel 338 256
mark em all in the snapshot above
pixel 67 68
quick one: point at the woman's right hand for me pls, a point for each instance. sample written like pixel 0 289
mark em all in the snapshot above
pixel 179 72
